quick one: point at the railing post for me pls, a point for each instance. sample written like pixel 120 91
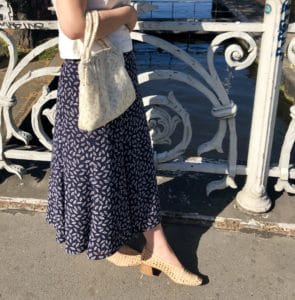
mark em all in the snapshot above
pixel 253 196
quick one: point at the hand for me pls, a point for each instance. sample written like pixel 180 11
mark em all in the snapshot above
pixel 132 18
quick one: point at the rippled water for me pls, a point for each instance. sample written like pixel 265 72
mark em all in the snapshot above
pixel 240 85
pixel 167 9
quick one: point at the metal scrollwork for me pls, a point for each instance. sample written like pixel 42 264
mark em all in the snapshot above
pixel 162 125
pixel 164 113
pixel 284 164
pixel 49 113
pixel 224 110
pixel 291 51
pixel 10 84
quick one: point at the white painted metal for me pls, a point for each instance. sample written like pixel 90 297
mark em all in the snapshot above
pixel 150 26
pixel 253 196
pixel 284 164
pixel 204 79
pixel 163 125
pixel 6 13
pixel 10 85
pixel 36 116
pixel 193 164
pixel 291 51
pixel 223 108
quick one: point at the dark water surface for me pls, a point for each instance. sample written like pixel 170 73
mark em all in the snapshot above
pixel 241 86
pixel 167 9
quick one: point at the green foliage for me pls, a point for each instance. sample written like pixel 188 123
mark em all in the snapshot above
pixel 48 54
pixel 23 6
pixel 292 16
pixel 45 55
pixel 3 49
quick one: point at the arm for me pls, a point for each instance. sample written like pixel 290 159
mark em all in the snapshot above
pixel 71 18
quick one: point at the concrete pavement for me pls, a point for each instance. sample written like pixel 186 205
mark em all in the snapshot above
pixel 236 265
pixel 258 264
pixel 183 199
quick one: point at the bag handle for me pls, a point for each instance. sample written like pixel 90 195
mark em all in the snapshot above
pixel 87 35
pixel 92 24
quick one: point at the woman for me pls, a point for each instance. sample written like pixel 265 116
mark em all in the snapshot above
pixel 102 186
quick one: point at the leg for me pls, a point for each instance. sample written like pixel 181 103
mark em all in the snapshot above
pixel 158 244
pixel 158 255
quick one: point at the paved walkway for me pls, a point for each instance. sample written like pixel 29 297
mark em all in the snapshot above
pixel 183 199
pixel 237 265
pixel 258 264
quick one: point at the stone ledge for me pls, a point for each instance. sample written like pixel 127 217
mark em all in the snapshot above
pixel 231 224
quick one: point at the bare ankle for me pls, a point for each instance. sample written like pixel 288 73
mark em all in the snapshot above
pixel 155 238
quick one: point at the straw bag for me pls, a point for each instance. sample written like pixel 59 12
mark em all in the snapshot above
pixel 106 89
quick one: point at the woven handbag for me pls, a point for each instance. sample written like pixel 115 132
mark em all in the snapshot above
pixel 106 89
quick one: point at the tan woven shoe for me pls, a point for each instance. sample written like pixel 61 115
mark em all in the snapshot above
pixel 150 263
pixel 125 257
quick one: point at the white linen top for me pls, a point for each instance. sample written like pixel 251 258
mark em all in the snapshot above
pixel 71 49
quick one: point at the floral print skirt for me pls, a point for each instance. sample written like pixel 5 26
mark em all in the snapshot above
pixel 102 185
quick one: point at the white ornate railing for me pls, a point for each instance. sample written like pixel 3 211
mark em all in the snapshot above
pixel 273 29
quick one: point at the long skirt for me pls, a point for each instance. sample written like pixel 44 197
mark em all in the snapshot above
pixel 102 185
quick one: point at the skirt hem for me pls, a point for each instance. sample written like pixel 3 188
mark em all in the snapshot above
pixel 103 256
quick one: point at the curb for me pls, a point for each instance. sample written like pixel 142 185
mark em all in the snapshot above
pixel 230 224
pixel 29 204
pixel 289 82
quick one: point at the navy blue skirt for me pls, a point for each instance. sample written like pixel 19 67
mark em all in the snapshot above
pixel 102 185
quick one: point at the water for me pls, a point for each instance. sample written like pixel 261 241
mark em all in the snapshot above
pixel 167 9
pixel 240 85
